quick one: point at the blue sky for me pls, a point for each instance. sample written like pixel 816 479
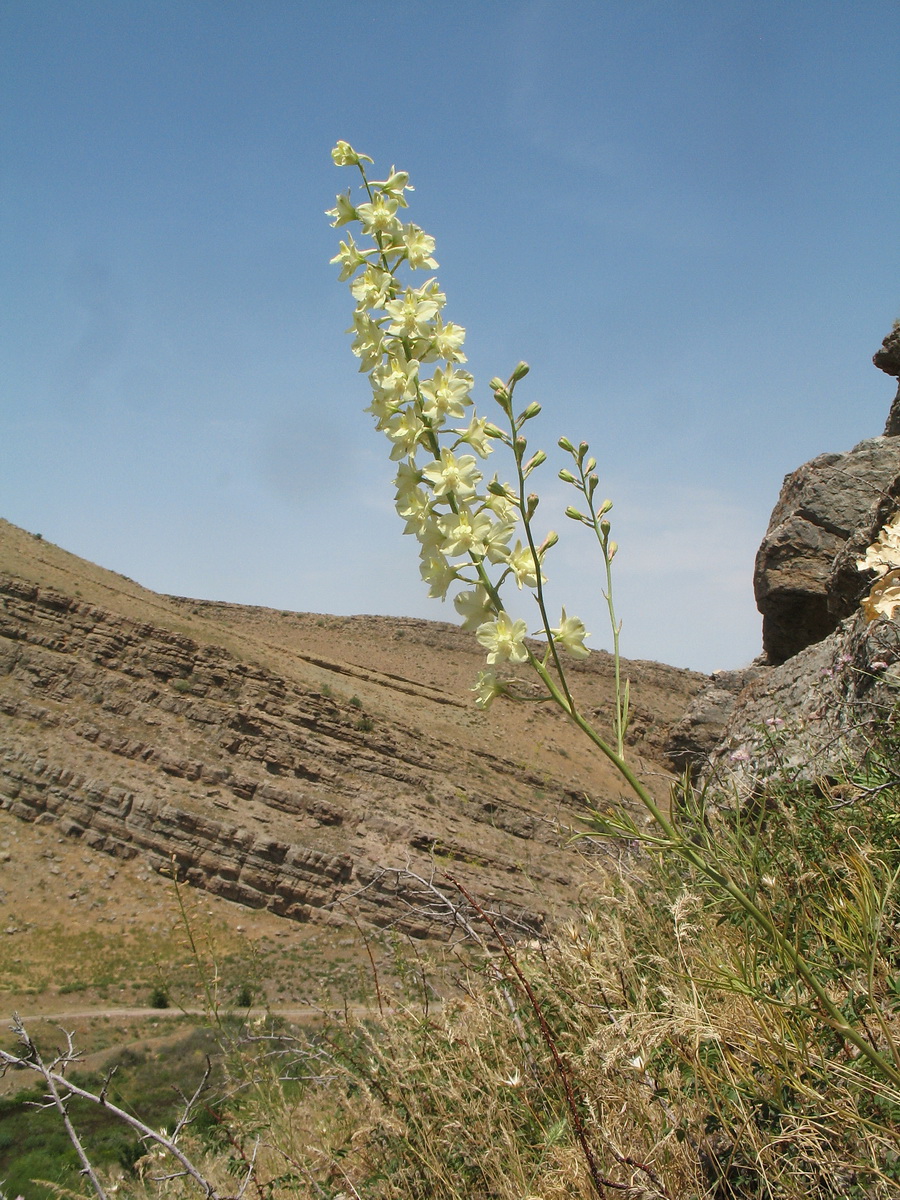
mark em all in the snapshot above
pixel 683 216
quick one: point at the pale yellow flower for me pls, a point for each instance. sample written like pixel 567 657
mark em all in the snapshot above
pixel 504 639
pixel 521 562
pixel 446 394
pixel 571 634
pixel 439 574
pixel 373 288
pixel 379 216
pixel 487 687
pixel 474 607
pixel 464 533
pixel 419 248
pixel 368 344
pixel 478 435
pixel 449 474
pixel 343 212
pixel 412 314
pixel 343 155
pixel 350 257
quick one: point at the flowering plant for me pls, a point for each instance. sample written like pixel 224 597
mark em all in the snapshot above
pixel 465 526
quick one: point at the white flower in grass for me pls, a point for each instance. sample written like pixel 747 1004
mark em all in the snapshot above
pixel 571 634
pixel 474 607
pixel 451 475
pixel 504 639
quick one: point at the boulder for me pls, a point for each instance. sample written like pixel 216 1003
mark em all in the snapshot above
pixel 817 711
pixel 802 583
pixel 887 359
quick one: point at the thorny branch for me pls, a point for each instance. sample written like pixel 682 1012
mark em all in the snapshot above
pixel 61 1090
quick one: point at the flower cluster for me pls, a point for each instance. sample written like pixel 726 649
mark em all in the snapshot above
pixel 422 403
pixel 883 557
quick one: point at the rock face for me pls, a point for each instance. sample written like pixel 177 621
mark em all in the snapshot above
pixel 288 761
pixel 803 588
pixel 825 676
pixel 887 359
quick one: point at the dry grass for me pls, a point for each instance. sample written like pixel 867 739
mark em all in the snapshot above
pixel 659 1022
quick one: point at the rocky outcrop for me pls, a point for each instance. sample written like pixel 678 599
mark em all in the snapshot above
pixel 815 712
pixel 887 359
pixel 804 582
pixel 826 676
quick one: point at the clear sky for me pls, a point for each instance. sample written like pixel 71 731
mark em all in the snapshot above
pixel 683 215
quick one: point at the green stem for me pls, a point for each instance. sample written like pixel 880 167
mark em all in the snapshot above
pixel 720 876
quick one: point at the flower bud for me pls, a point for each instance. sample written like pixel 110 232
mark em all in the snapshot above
pixel 604 507
pixel 611 552
pixel 520 372
pixel 605 528
pixel 497 384
pixel 531 505
pixel 531 411
pixel 565 444
pixel 549 542
pixel 343 155
pixel 592 484
pixel 589 465
pixel 534 461
pixel 496 488
pixel 574 514
pixel 566 476
pixel 519 446
pixel 583 448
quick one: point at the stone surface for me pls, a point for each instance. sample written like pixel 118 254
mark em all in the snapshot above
pixel 802 585
pixel 295 762
pixel 887 359
pixel 809 714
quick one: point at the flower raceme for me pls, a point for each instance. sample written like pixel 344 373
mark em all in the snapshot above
pixel 412 356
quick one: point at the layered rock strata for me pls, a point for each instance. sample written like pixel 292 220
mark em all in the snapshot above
pixel 277 789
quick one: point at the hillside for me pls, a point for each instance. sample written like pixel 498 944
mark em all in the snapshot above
pixel 292 765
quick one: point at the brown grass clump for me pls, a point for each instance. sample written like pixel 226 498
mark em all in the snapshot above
pixel 657 1046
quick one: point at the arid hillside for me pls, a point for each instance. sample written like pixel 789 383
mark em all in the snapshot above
pixel 295 764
